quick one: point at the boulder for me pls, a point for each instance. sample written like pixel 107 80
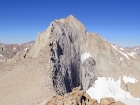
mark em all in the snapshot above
pixel 107 101
pixel 110 101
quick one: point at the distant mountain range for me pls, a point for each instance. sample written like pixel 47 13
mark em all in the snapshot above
pixel 128 52
pixel 9 50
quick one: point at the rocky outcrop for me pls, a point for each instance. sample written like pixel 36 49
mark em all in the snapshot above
pixel 79 97
pixel 133 88
pixel 21 55
pixel 110 101
pixel 76 97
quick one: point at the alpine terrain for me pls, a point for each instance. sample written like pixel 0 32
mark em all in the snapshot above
pixel 64 57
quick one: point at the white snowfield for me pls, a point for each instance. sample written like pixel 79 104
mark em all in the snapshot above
pixel 129 79
pixel 85 56
pixel 107 87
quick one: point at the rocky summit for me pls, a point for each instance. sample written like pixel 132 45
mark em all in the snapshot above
pixel 79 97
pixel 66 56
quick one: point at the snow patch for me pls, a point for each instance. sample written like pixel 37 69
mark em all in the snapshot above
pixel 121 49
pixel 31 44
pixel 107 87
pixel 129 79
pixel 85 56
pixel 121 58
pixel 132 54
pixel 1 55
pixel 14 48
pixel 26 49
pixel 121 52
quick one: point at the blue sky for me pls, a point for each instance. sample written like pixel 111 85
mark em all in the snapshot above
pixel 118 21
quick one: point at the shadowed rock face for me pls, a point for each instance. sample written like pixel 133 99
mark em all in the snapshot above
pixel 88 73
pixel 66 50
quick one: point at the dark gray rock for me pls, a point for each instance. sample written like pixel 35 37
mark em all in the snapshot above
pixel 88 73
pixel 66 51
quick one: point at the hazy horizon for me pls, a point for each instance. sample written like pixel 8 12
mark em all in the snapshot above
pixel 116 21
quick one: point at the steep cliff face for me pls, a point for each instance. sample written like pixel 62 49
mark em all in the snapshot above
pixel 67 47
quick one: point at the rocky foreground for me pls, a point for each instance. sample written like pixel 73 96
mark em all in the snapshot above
pixel 79 97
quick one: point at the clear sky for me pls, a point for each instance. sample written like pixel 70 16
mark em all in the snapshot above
pixel 118 21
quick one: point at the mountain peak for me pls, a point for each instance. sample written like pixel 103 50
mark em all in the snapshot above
pixel 70 16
